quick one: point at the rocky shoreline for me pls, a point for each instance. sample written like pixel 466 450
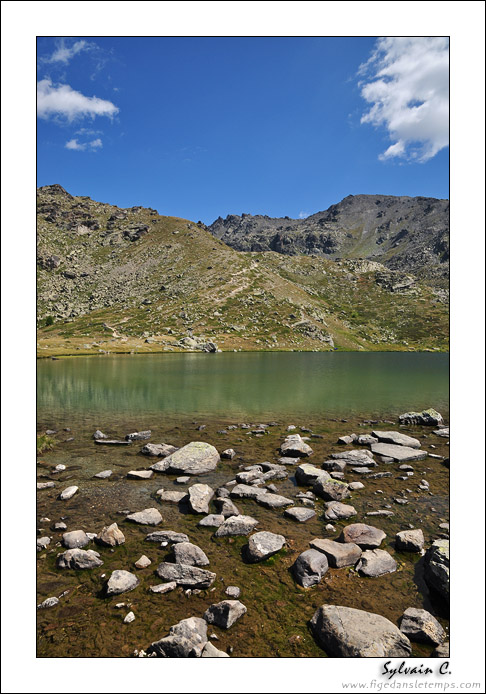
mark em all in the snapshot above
pixel 326 521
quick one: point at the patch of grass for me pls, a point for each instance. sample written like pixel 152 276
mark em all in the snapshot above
pixel 45 443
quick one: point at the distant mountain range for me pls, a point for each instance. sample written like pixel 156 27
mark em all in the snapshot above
pixel 406 234
pixel 131 280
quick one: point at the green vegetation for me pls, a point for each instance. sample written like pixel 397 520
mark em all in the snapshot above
pixel 45 443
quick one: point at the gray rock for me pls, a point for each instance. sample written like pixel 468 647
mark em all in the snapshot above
pixel 365 536
pixel 225 613
pixel 213 520
pixel 410 540
pixel 299 514
pixel 236 525
pixel 139 436
pixel 228 454
pixel 129 618
pixel 308 474
pixel 345 632
pixel 361 470
pixel 444 432
pixel 195 458
pixel 294 446
pixel 42 543
pixel 111 536
pixel 397 438
pixel 354 486
pixel 75 538
pixel 68 493
pixel 263 545
pixel 143 562
pixel 226 507
pixel 249 476
pixel 186 639
pixel 113 442
pixel 245 491
pixel 379 475
pixel 210 651
pixel 121 582
pixel 98 435
pixel 163 587
pixel 233 592
pixel 376 562
pixel 335 510
pixel 309 568
pixel 436 568
pixel 158 449
pixel 338 554
pixel 185 575
pixel 48 602
pixel 273 501
pixel 60 526
pixel 166 536
pixel 183 480
pixel 428 417
pixel 398 453
pixel 199 497
pixel 356 458
pixel 189 554
pixel 149 516
pixel 420 625
pixel 171 496
pixel 441 651
pixel 288 461
pixel 140 474
pixel 366 440
pixel 160 465
pixel 60 468
pixel 380 512
pixel 45 485
pixel 79 559
pixel 345 440
pixel 104 474
pixel 331 490
pixel 334 465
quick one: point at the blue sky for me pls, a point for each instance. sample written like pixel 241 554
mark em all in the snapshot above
pixel 202 127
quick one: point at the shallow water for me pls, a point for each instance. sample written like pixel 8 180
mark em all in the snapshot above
pixel 85 394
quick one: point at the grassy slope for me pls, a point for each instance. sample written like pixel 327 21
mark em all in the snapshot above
pixel 195 282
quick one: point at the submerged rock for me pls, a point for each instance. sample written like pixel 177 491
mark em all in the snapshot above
pixel 225 613
pixel 420 625
pixel 345 632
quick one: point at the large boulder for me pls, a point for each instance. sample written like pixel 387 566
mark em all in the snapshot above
pixel 420 625
pixel 365 536
pixel 309 568
pixel 410 540
pixel 194 458
pixel 376 562
pixel 398 453
pixel 331 490
pixel 345 632
pixel 189 554
pixel 121 582
pixel 199 497
pixel 79 559
pixel 428 417
pixel 396 437
pixel 225 613
pixel 263 544
pixel 295 447
pixel 149 516
pixel 185 575
pixel 236 525
pixel 338 554
pixel 75 538
pixel 436 569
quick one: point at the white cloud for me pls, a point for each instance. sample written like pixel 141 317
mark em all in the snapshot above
pixel 303 215
pixel 63 54
pixel 406 81
pixel 62 100
pixel 83 146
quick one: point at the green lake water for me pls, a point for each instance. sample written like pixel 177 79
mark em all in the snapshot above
pixel 241 385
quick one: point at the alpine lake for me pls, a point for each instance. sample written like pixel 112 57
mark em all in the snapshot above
pixel 208 397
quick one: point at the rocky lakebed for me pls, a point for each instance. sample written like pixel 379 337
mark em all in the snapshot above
pixel 213 538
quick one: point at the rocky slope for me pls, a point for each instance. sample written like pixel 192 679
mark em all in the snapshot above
pixel 122 280
pixel 406 234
